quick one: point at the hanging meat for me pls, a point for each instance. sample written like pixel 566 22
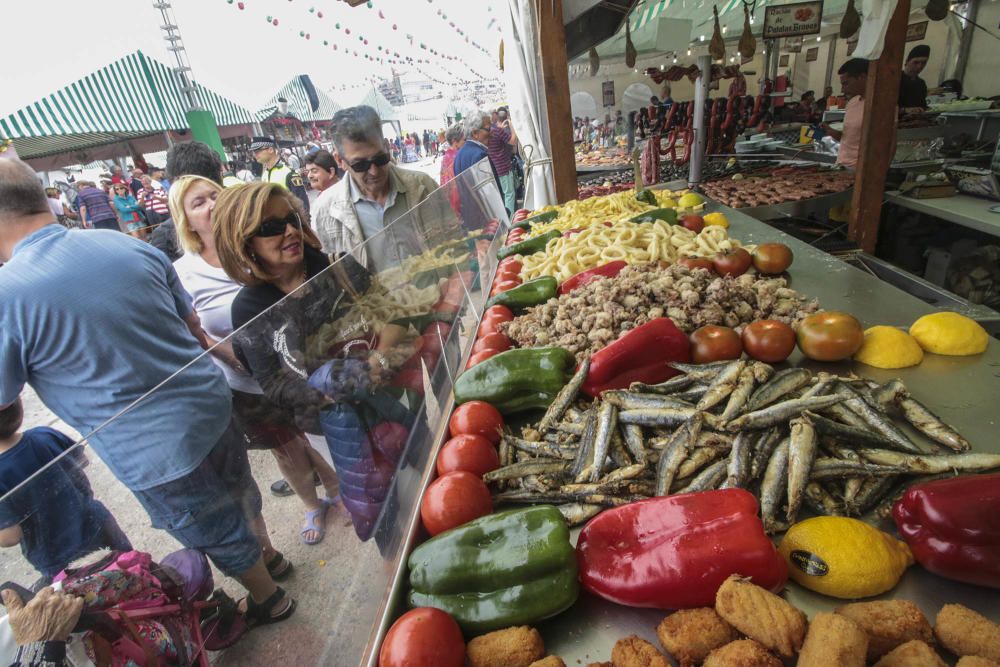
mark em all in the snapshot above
pixel 748 45
pixel 595 61
pixel 851 21
pixel 630 52
pixel 717 47
pixel 936 10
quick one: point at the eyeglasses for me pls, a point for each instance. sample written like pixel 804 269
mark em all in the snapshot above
pixel 276 226
pixel 363 165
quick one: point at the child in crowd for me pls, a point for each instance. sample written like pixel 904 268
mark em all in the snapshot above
pixel 53 516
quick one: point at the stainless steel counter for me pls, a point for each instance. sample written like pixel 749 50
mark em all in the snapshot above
pixel 963 391
pixel 965 210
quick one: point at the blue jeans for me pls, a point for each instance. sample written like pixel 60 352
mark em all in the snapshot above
pixel 110 223
pixel 210 508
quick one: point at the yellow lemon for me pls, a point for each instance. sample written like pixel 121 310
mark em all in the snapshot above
pixel 691 199
pixel 667 202
pixel 843 558
pixel 950 333
pixel 716 219
pixel 888 347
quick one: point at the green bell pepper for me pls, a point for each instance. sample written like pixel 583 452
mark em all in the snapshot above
pixel 529 247
pixel 668 215
pixel 501 570
pixel 548 216
pixel 647 197
pixel 527 294
pixel 517 380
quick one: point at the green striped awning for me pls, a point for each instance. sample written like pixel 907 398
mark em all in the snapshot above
pixel 377 101
pixel 299 106
pixel 131 97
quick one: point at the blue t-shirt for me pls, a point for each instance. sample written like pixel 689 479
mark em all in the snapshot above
pixel 92 320
pixel 59 518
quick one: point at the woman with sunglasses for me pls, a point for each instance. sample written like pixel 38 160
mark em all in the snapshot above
pixel 266 425
pixel 296 319
pixel 129 211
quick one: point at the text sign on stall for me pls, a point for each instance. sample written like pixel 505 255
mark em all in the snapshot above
pixel 608 93
pixel 800 18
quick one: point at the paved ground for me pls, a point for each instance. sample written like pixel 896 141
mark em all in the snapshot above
pixel 337 583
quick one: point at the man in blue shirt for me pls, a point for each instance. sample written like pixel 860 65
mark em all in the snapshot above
pixel 477 128
pixel 96 322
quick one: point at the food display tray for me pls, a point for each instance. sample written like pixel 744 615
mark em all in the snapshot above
pixel 963 391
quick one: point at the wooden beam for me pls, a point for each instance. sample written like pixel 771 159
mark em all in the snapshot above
pixel 555 73
pixel 878 133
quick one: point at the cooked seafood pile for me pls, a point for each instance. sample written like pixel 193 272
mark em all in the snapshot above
pixel 590 317
pixel 832 444
pixel 777 188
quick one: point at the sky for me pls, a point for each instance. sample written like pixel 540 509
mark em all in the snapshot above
pixel 238 52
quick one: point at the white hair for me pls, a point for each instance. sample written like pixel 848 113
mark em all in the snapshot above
pixel 474 122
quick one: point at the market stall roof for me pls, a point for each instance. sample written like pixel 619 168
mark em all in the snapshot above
pixel 132 97
pixel 304 100
pixel 377 101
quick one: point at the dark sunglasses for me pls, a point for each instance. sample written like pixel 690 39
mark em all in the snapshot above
pixel 276 226
pixel 361 166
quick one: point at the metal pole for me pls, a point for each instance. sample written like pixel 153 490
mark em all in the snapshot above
pixel 830 55
pixel 772 71
pixel 700 130
pixel 769 53
pixel 966 42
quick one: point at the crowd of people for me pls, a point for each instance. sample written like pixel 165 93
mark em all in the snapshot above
pixel 288 297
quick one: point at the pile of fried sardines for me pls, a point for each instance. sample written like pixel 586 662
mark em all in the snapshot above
pixel 792 437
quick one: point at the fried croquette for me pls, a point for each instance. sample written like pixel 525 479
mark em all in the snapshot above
pixel 599 664
pixel 510 647
pixel 888 623
pixel 633 651
pixel 833 640
pixel 761 615
pixel 742 653
pixel 964 632
pixel 913 653
pixel 689 635
pixel 975 661
pixel 550 661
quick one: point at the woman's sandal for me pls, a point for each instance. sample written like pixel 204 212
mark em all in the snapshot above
pixel 315 521
pixel 279 567
pixel 262 613
pixel 222 625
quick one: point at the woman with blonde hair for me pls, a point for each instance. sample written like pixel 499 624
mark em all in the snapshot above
pixel 308 344
pixel 267 426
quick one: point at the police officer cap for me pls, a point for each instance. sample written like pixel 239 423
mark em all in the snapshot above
pixel 257 143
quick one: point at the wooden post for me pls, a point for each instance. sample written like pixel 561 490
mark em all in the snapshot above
pixel 555 72
pixel 878 133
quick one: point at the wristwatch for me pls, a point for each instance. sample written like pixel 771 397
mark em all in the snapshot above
pixel 382 361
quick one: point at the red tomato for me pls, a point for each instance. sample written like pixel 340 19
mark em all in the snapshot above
pixel 733 263
pixel 697 263
pixel 471 453
pixel 480 357
pixel 477 418
pixel 504 285
pixel 453 499
pixel 488 327
pixel 494 341
pixel 714 343
pixel 499 312
pixel 505 275
pixel 769 341
pixel 830 336
pixel 423 637
pixel 695 223
pixel 772 258
pixel 521 214
pixel 510 264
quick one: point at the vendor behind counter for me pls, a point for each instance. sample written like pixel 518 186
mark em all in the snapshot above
pixel 853 79
pixel 913 89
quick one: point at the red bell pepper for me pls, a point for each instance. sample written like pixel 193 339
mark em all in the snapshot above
pixel 609 270
pixel 674 552
pixel 641 355
pixel 953 527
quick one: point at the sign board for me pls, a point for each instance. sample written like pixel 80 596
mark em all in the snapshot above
pixel 608 91
pixel 797 19
pixel 915 32
pixel 793 45
pixel 812 54
pixel 783 60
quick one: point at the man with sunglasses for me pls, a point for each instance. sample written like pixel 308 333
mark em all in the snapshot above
pixel 265 151
pixel 356 215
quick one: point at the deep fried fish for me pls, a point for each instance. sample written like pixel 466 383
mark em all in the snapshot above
pixel 888 623
pixel 833 640
pixel 761 615
pixel 689 635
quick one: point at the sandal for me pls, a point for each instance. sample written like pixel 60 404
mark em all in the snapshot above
pixel 316 521
pixel 279 567
pixel 222 625
pixel 261 613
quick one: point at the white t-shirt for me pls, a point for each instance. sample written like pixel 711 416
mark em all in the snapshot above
pixel 212 293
